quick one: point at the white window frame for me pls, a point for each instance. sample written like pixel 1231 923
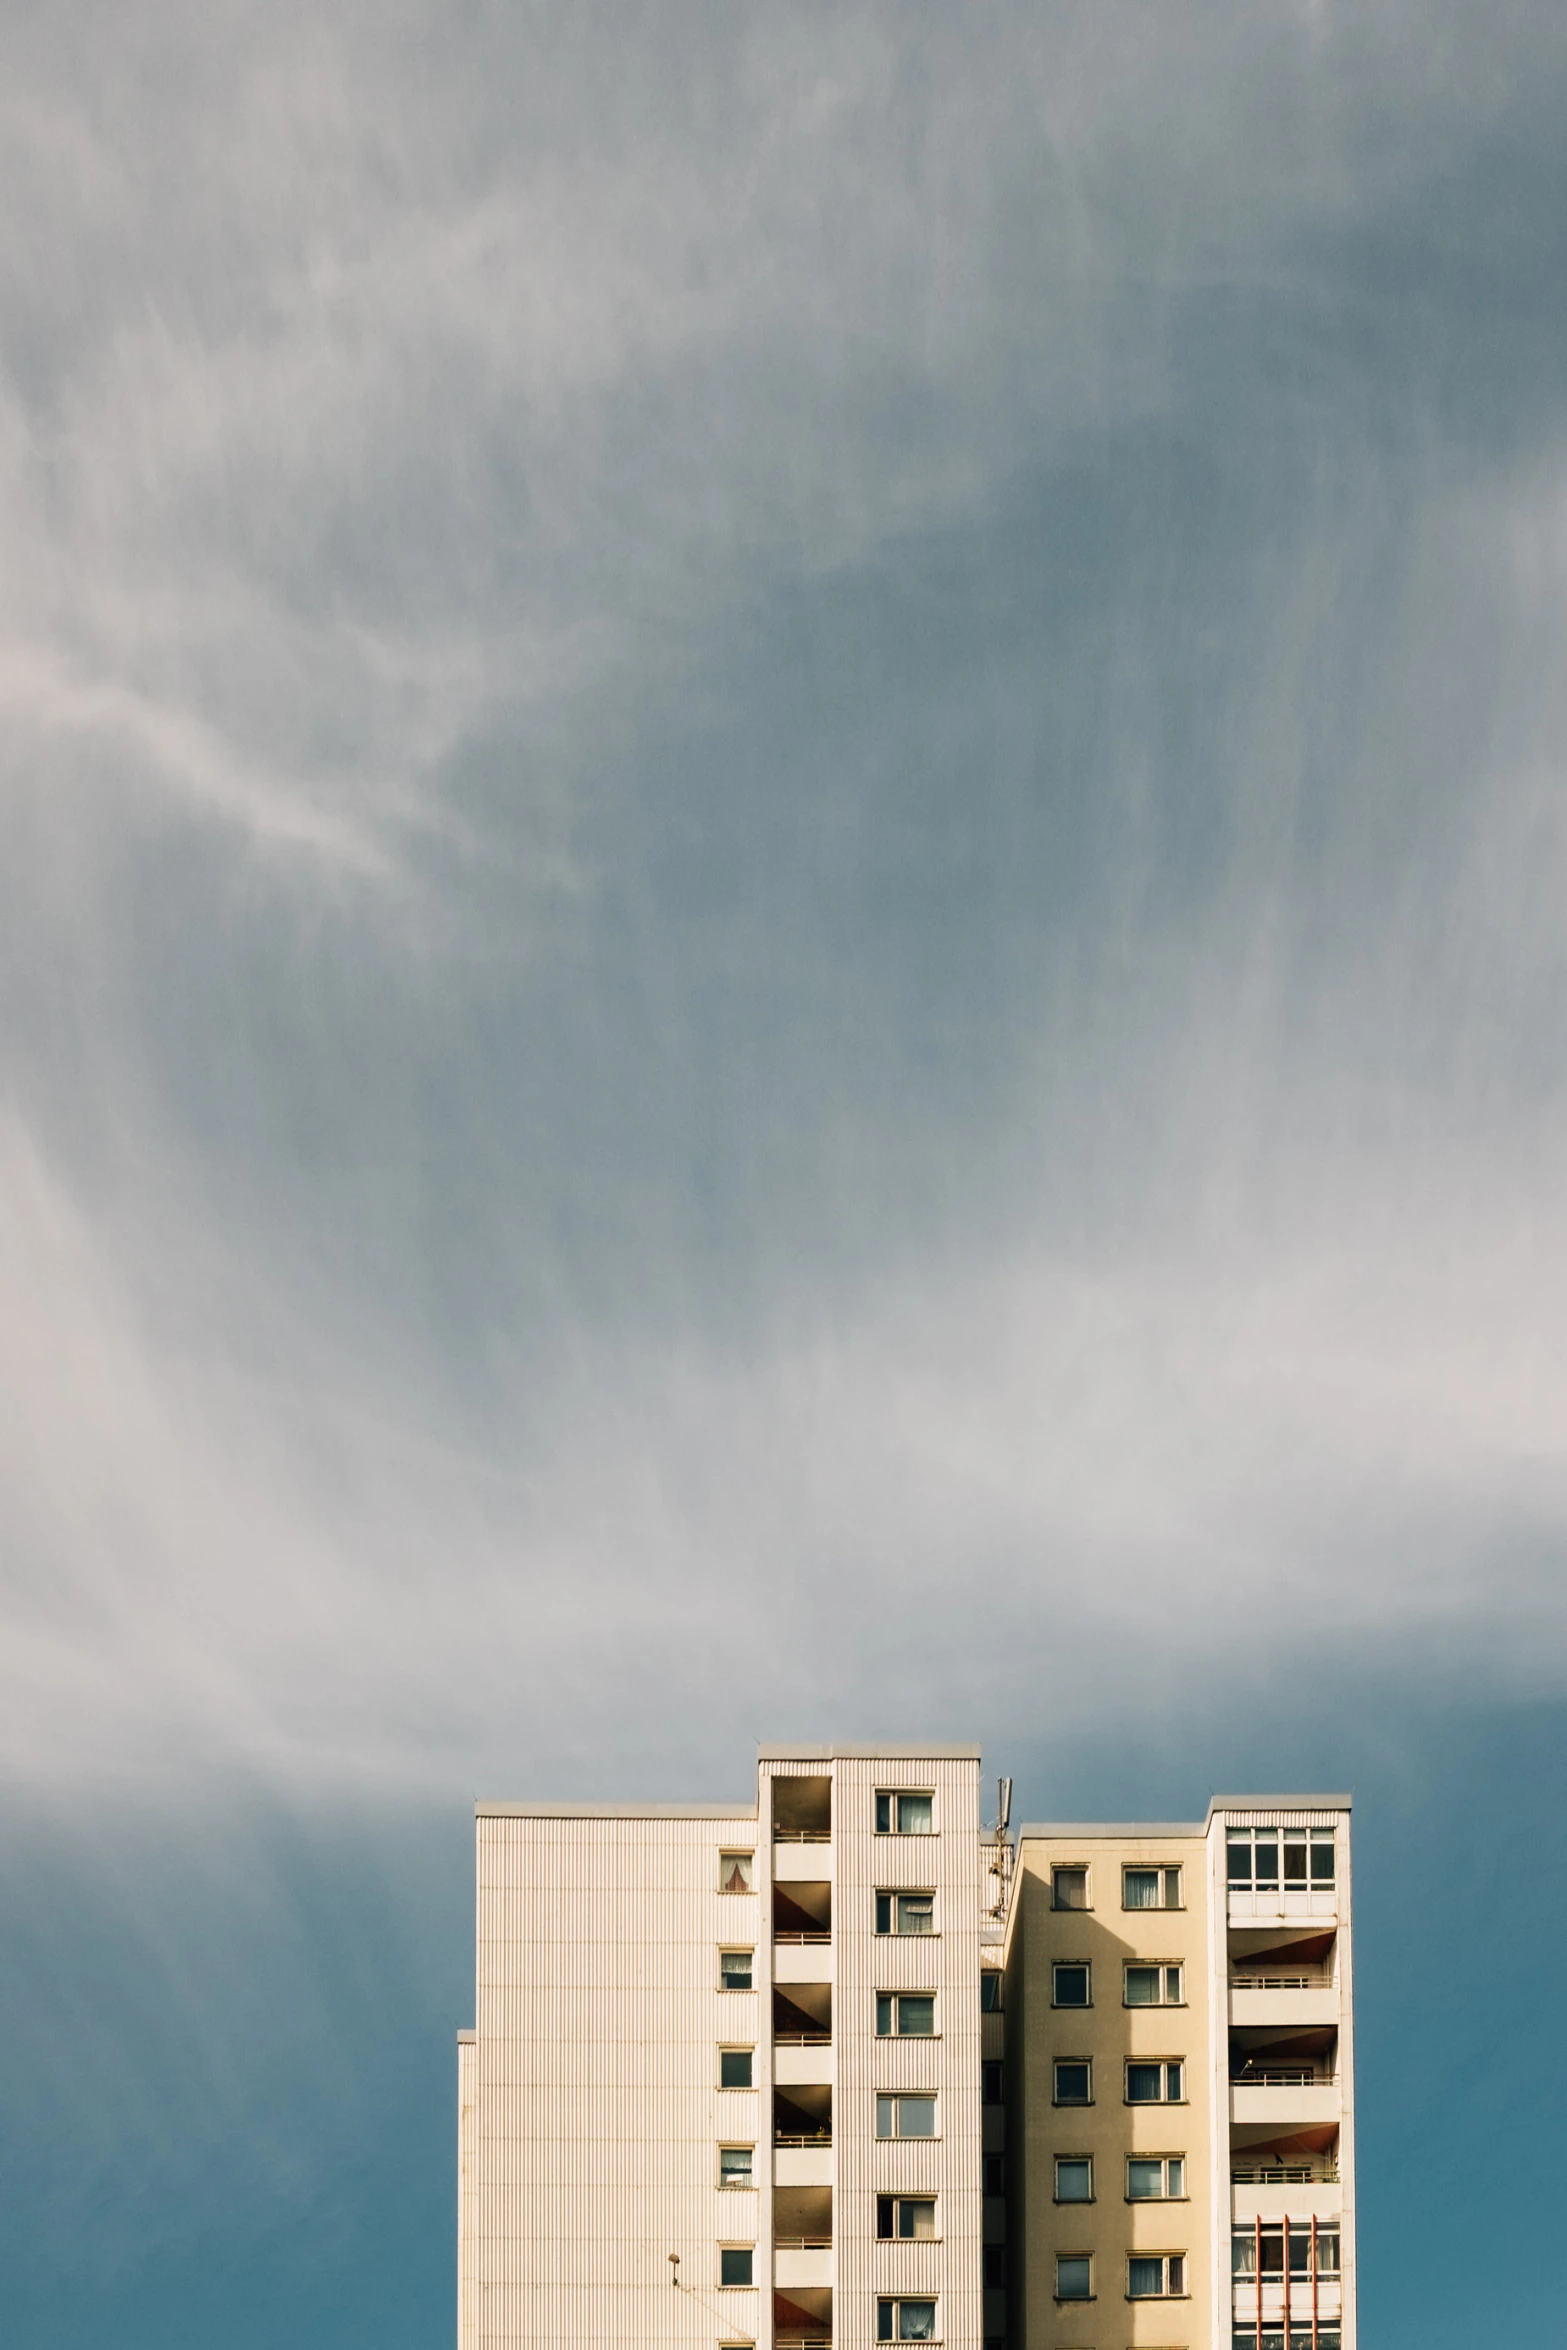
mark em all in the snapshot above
pixel 893 1798
pixel 734 1950
pixel 737 2048
pixel 735 2185
pixel 1071 2104
pixel 732 2285
pixel 1173 2280
pixel 1075 1966
pixel 897 2202
pixel 1164 1969
pixel 1169 1876
pixel 893 2303
pixel 1075 2300
pixel 1316 1840
pixel 727 1864
pixel 1165 2194
pixel 896 1998
pixel 1072 1868
pixel 895 1896
pixel 896 2099
pixel 1069 2202
pixel 1166 2065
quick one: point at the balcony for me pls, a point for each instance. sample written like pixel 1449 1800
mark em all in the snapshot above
pixel 802 2318
pixel 802 2115
pixel 802 2016
pixel 1276 1981
pixel 802 1811
pixel 802 1913
pixel 1283 2076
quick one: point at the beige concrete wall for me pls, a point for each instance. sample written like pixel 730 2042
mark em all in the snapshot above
pixel 1110 2229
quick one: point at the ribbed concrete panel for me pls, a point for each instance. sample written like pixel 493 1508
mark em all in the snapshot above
pixel 467 2238
pixel 946 1963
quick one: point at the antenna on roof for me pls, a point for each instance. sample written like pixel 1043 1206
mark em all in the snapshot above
pixel 1003 1806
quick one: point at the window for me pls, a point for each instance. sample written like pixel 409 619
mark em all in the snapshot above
pixel 1153 2084
pixel 734 2264
pixel 905 2015
pixel 992 2084
pixel 904 1815
pixel 994 2270
pixel 1156 2178
pixel 1074 2081
pixel 905 2117
pixel 1150 1888
pixel 1255 1855
pixel 734 1970
pixel 1159 2278
pixel 734 2068
pixel 736 1872
pixel 1069 1888
pixel 1153 1986
pixel 1074 2276
pixel 993 2174
pixel 905 1913
pixel 1071 1987
pixel 905 2321
pixel 909 2216
pixel 1074 2178
pixel 734 2166
pixel 990 1991
pixel 1269 2238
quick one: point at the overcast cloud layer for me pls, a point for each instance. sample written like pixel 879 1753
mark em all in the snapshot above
pixel 783 872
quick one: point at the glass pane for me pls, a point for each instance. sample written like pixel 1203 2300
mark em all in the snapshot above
pixel 734 2166
pixel 1177 2278
pixel 884 1913
pixel 886 2120
pixel 1267 1858
pixel 734 1872
pixel 1240 1859
pixel 1244 2252
pixel 1294 1860
pixel 1322 1856
pixel 1145 2277
pixel 914 1815
pixel 884 1815
pixel 990 1992
pixel 916 1913
pixel 1074 2182
pixel 734 2267
pixel 884 2321
pixel 916 2117
pixel 1300 2252
pixel 918 2219
pixel 1142 1986
pixel 1327 2252
pixel 734 2068
pixel 1172 1888
pixel 1145 2181
pixel 1172 2087
pixel 734 1970
pixel 1172 1985
pixel 916 2321
pixel 1142 1889
pixel 916 2017
pixel 1071 2084
pixel 883 2015
pixel 1071 1888
pixel 884 2211
pixel 1177 2177
pixel 1071 1986
pixel 1143 2083
pixel 1072 2278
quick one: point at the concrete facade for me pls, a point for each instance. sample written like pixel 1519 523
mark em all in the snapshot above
pixel 789 2073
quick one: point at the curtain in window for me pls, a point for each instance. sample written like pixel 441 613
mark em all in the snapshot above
pixel 1146 2278
pixel 916 2321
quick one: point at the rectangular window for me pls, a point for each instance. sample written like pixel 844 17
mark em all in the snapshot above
pixel 994 2271
pixel 1255 1856
pixel 992 2084
pixel 734 1970
pixel 736 1872
pixel 1153 1986
pixel 905 2321
pixel 1074 2178
pixel 905 1913
pixel 898 1814
pixel 912 2217
pixel 993 2174
pixel 1074 2081
pixel 1156 2178
pixel 1071 1987
pixel 905 2015
pixel 905 2117
pixel 1159 2278
pixel 1246 2240
pixel 734 2264
pixel 734 2068
pixel 1153 2084
pixel 1074 2276
pixel 1150 1889
pixel 990 1991
pixel 734 2166
pixel 1069 1888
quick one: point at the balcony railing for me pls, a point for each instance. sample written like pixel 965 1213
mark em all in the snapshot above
pixel 803 2243
pixel 1282 2076
pixel 802 2137
pixel 1241 1981
pixel 802 2039
pixel 803 2341
pixel 1284 2174
pixel 802 1835
pixel 783 1934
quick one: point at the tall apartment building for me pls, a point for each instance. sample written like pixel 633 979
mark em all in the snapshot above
pixel 843 2066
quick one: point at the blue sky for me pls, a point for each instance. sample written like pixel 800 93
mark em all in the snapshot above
pixel 782 884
